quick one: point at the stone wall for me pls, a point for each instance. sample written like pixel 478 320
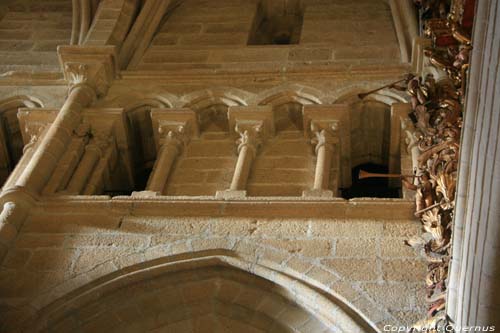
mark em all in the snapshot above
pixel 205 167
pixel 197 35
pixel 271 261
pixel 361 261
pixel 30 32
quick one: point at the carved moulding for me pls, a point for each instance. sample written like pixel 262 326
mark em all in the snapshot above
pixel 437 113
pixel 450 35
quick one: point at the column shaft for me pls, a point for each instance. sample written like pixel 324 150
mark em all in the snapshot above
pixel 38 171
pixel 96 182
pixel 242 169
pixel 163 165
pixel 84 170
pixel 323 165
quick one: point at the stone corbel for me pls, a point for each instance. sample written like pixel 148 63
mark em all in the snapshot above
pixel 252 126
pixel 174 130
pixel 328 128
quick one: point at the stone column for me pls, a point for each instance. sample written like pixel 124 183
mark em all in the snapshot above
pixel 474 277
pixel 253 125
pixel 171 145
pixel 335 120
pixel 324 151
pixel 91 156
pixel 325 139
pixel 103 169
pixel 53 145
pixel 69 161
pixel 89 72
pixel 399 115
pixel 175 128
pixel 248 143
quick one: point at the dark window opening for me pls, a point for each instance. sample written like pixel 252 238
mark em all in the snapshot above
pixel 277 25
pixel 143 148
pixel 141 179
pixel 370 187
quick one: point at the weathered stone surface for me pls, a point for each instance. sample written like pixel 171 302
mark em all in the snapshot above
pixel 198 59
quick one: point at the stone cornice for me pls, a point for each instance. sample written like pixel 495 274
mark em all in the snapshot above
pixel 265 75
pixel 282 207
pixel 16 78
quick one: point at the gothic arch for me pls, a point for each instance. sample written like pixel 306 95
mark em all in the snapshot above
pixel 102 22
pixel 211 106
pixel 287 101
pixel 289 93
pixel 20 101
pixel 11 134
pixel 138 112
pixel 370 120
pixel 133 100
pixel 386 96
pixel 191 287
pixel 204 98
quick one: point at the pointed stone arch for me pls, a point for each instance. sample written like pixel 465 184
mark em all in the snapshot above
pixel 287 101
pixel 137 109
pixel 289 93
pixel 224 95
pixel 185 291
pixel 102 22
pixel 11 133
pixel 375 132
pixel 211 105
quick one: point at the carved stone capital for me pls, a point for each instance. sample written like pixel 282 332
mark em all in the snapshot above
pixel 253 118
pixel 250 133
pixel 174 127
pixel 325 133
pixel 173 135
pixel 94 66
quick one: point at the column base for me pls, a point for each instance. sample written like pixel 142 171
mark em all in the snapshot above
pixel 145 194
pixel 317 194
pixel 231 194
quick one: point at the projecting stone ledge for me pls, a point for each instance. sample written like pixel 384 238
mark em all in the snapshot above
pixel 231 194
pixel 309 194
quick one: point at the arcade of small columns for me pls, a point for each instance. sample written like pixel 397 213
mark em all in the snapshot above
pixel 252 126
pixel 91 151
pixel 79 147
